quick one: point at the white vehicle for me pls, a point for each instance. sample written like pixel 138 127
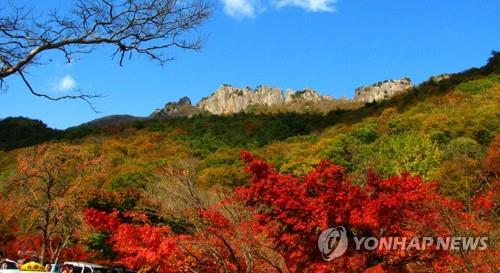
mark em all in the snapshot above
pixel 8 266
pixel 82 267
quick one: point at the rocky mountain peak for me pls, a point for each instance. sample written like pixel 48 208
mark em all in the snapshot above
pixel 382 90
pixel 306 95
pixel 228 99
pixel 184 101
pixel 181 108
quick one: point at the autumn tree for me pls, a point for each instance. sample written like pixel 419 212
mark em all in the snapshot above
pixel 273 224
pixel 407 152
pixel 50 189
pixel 142 27
pixel 215 234
pixel 460 170
pixel 292 211
pixel 492 161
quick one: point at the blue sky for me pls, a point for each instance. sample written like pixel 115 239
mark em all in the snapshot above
pixel 330 46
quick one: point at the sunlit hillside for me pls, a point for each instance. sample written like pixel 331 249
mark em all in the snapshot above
pixel 153 172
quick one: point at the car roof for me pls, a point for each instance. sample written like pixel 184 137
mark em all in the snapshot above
pixel 82 264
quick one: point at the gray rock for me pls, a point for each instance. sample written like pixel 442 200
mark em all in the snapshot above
pixel 228 99
pixel 440 77
pixel 382 90
pixel 306 95
pixel 182 108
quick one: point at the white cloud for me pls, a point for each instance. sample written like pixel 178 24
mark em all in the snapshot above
pixel 239 8
pixel 310 5
pixel 248 8
pixel 66 83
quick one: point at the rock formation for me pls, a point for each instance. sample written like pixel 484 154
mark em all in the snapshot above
pixel 182 108
pixel 306 95
pixel 382 90
pixel 228 99
pixel 440 77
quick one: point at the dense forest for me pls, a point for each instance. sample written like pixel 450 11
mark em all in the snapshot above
pixel 251 192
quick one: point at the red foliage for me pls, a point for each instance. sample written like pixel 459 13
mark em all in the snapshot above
pixel 296 210
pixel 289 213
pixel 137 245
pixel 27 246
pixel 100 220
pixel 145 245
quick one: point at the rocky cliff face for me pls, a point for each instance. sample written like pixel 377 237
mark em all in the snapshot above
pixel 228 99
pixel 382 90
pixel 307 95
pixel 440 77
pixel 182 108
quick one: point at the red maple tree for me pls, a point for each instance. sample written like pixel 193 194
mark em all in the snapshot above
pixel 286 216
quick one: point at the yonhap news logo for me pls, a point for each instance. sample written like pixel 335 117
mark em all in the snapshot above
pixel 333 243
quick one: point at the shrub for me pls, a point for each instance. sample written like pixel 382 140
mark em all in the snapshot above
pixel 478 86
pixel 367 134
pixel 129 180
pixel 463 146
pixel 408 152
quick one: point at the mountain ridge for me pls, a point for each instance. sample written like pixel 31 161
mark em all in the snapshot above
pixel 228 99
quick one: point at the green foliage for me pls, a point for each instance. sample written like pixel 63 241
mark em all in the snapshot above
pixel 367 134
pixel 396 126
pixel 338 152
pixel 463 146
pixel 103 202
pixel 439 137
pixel 98 243
pixel 408 152
pixel 7 167
pixel 478 86
pixel 208 133
pixel 129 180
pixel 79 132
pixel 23 132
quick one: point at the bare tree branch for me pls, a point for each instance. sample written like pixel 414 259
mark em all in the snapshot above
pixel 82 96
pixel 145 27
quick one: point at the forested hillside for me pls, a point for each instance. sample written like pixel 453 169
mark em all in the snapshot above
pixel 83 192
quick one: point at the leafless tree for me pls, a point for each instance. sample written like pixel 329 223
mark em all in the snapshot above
pixel 176 189
pixel 144 27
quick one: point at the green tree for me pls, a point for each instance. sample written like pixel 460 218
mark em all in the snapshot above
pixel 407 152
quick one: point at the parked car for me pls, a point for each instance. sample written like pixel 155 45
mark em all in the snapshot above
pixel 83 267
pixel 6 264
